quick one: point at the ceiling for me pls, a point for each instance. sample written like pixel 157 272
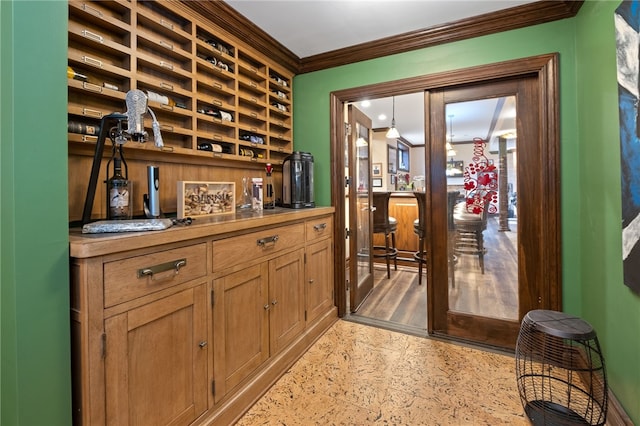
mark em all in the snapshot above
pixel 311 27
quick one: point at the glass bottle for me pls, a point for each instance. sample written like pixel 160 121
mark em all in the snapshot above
pixel 269 202
pixel 118 194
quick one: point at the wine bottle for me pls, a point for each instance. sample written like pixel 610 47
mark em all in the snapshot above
pixel 269 202
pixel 71 73
pixel 118 194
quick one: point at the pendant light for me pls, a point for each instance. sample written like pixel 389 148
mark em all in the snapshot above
pixel 393 132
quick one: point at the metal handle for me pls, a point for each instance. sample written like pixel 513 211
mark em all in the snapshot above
pixel 311 281
pixel 320 227
pixel 203 344
pixel 92 36
pixel 266 307
pixel 262 242
pixel 166 45
pixel 156 269
pixel 92 61
pixel 91 10
pixel 274 302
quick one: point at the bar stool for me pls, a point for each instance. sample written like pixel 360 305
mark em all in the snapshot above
pixel 420 230
pixel 384 224
pixel 469 229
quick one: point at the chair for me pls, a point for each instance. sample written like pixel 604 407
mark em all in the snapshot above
pixel 419 228
pixel 384 224
pixel 469 228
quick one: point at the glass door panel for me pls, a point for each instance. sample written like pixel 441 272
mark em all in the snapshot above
pixel 360 213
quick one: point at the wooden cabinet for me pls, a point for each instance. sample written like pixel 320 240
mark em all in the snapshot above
pixel 190 325
pixel 266 298
pixel 204 85
pixel 156 361
pixel 240 326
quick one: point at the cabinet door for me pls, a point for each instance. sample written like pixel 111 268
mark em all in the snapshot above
pixel 240 326
pixel 319 279
pixel 156 361
pixel 286 296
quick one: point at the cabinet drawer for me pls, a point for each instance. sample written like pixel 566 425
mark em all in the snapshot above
pixel 138 276
pixel 319 228
pixel 236 250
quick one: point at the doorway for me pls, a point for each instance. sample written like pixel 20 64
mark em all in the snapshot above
pixel 539 235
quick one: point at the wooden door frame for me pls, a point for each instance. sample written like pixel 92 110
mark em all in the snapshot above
pixel 545 68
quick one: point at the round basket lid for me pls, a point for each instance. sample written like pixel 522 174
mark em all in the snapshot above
pixel 560 324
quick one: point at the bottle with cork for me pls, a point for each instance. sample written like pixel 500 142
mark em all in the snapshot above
pixel 269 202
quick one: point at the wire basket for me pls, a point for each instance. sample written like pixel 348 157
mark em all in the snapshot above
pixel 560 370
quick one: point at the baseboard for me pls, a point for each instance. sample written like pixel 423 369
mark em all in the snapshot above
pixel 616 416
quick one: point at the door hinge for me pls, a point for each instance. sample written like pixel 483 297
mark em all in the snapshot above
pixel 211 297
pixel 347 181
pixel 104 345
pixel 347 233
pixel 305 315
pixel 213 387
pixel 347 129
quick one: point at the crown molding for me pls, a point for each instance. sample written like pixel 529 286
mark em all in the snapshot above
pixel 509 19
pixel 539 12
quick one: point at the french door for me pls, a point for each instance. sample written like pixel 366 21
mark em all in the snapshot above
pixel 358 188
pixel 532 84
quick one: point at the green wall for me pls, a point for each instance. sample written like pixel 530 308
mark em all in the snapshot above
pixel 34 307
pixel 590 186
pixel 35 385
pixel 609 306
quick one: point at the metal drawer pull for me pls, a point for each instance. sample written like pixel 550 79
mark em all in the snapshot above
pixel 156 269
pixel 92 36
pixel 166 65
pixel 91 112
pixel 91 10
pixel 203 344
pixel 166 45
pixel 166 24
pixel 92 61
pixel 262 242
pixel 320 227
pixel 166 86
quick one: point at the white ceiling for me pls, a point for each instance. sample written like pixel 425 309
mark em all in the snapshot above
pixel 310 27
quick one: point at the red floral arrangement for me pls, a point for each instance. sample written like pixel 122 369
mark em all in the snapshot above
pixel 481 181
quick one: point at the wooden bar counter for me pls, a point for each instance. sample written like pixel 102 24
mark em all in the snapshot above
pixel 404 207
pixel 192 324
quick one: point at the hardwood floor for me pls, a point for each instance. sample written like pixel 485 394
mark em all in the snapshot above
pixel 401 302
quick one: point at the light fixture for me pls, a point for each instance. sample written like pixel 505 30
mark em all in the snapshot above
pixel 449 147
pixel 393 132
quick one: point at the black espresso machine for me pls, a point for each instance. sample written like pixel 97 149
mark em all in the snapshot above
pixel 297 181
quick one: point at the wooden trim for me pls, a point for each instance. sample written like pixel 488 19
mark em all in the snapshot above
pixel 509 19
pixel 529 14
pixel 545 67
pixel 615 412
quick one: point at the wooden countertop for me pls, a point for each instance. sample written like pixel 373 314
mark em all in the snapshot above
pixel 91 245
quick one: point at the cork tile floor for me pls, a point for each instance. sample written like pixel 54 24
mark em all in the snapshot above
pixel 360 375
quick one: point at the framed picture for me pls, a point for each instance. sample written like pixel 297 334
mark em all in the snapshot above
pixel 376 169
pixel 455 168
pixel 393 159
pixel 205 198
pixel 377 182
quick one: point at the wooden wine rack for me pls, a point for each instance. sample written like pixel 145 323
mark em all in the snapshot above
pixel 219 90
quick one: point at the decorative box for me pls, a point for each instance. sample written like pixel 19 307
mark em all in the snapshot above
pixel 205 198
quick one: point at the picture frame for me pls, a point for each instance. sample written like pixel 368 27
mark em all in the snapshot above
pixel 377 182
pixel 455 168
pixel 198 199
pixel 376 169
pixel 392 159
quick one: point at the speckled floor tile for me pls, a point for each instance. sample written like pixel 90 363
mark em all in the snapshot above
pixel 360 375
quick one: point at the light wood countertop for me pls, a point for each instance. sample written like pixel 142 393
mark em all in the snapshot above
pixel 91 245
